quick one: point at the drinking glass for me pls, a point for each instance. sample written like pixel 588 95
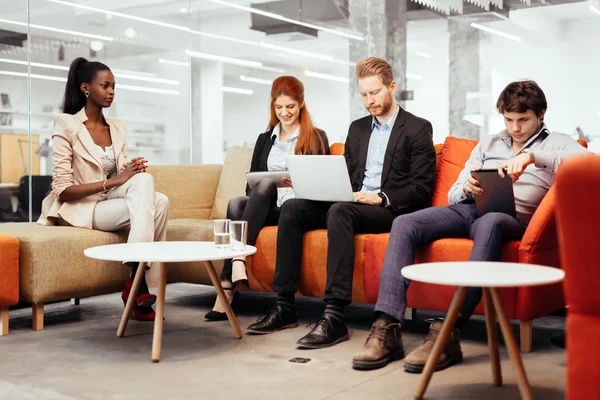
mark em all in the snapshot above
pixel 221 232
pixel 239 234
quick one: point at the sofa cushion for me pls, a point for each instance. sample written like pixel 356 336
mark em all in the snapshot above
pixel 336 149
pixel 189 230
pixel 313 273
pixel 9 270
pixel 232 182
pixel 190 188
pixel 455 154
pixel 427 296
pixel 53 267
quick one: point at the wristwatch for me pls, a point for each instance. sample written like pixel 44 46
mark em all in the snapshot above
pixel 530 153
pixel 383 199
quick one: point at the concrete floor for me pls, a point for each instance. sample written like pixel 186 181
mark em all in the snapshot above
pixel 78 356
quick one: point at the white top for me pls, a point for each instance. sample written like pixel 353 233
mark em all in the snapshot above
pixel 483 274
pixel 109 161
pixel 165 252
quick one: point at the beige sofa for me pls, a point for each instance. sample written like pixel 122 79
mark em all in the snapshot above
pixel 53 267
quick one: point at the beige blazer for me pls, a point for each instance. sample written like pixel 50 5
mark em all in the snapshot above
pixel 76 162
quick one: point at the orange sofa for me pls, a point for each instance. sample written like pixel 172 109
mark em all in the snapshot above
pixel 578 217
pixel 9 278
pixel 538 246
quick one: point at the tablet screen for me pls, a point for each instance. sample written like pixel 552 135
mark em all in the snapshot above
pixel 497 196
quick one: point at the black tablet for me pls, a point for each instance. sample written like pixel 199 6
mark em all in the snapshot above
pixel 498 195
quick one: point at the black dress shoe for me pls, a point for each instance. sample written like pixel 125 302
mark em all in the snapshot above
pixel 276 319
pixel 328 331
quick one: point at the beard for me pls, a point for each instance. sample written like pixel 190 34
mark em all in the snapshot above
pixel 382 109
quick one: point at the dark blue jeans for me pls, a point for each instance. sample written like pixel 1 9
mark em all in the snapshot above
pixel 411 231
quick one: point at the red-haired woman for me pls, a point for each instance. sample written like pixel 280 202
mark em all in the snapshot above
pixel 290 131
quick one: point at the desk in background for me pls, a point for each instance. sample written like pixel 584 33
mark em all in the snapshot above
pixel 11 162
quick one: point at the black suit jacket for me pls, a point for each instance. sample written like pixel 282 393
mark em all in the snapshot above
pixel 262 148
pixel 408 175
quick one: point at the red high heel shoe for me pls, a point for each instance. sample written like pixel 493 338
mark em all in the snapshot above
pixel 144 313
pixel 143 300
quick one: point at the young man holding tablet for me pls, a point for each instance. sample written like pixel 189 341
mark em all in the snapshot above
pixel 531 154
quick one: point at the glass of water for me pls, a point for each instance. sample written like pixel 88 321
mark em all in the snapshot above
pixel 239 234
pixel 221 231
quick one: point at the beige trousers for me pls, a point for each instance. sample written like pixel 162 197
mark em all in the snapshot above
pixel 135 204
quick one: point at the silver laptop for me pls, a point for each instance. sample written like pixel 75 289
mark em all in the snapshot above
pixel 321 178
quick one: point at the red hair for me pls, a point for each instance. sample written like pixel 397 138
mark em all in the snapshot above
pixel 310 140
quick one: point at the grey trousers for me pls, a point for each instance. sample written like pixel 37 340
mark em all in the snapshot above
pixel 411 231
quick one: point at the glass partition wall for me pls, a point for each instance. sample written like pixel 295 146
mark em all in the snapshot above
pixel 193 76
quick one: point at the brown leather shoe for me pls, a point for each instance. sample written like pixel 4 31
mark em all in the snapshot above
pixel 452 354
pixel 383 345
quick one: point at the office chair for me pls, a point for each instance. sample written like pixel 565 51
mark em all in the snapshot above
pixel 41 186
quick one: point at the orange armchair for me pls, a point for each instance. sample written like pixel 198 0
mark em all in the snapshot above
pixel 9 278
pixel 578 190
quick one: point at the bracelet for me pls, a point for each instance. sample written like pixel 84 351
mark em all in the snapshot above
pixel 104 185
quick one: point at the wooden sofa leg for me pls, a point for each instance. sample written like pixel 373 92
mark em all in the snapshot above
pixel 4 321
pixel 38 316
pixel 75 301
pixel 526 327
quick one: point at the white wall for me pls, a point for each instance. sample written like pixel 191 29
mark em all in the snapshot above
pixel 431 93
pixel 567 72
pixel 566 69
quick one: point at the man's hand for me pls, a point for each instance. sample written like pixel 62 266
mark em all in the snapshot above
pixel 471 186
pixel 372 199
pixel 516 166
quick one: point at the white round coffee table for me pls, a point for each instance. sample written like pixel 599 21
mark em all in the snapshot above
pixel 164 253
pixel 490 276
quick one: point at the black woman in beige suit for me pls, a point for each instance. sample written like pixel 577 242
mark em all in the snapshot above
pixel 94 185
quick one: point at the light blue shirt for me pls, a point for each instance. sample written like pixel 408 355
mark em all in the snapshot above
pixel 276 160
pixel 380 136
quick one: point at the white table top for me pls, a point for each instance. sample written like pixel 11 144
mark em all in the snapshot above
pixel 165 252
pixel 483 274
pixel 9 185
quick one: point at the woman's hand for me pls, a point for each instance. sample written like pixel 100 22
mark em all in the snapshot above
pixel 135 166
pixel 285 182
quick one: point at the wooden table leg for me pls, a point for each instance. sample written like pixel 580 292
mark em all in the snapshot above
pixel 224 303
pixel 137 280
pixel 3 321
pixel 455 306
pixel 511 344
pixel 160 312
pixel 492 334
